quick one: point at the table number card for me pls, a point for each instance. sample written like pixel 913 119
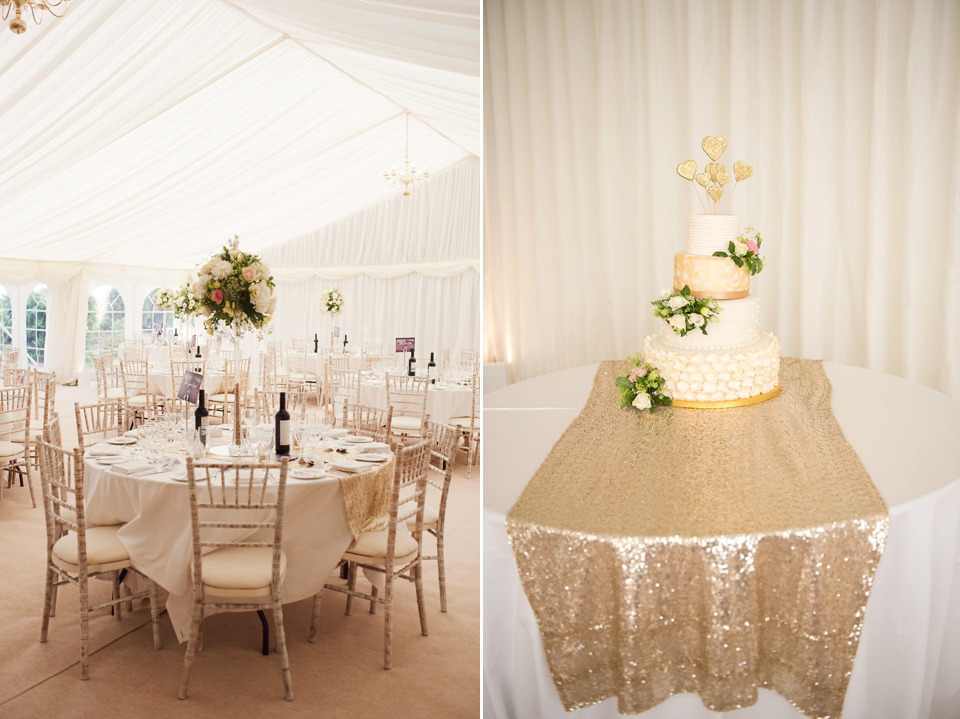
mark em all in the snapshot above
pixel 336 331
pixel 190 386
pixel 405 344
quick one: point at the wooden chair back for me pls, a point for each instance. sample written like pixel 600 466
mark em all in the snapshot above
pixel 101 420
pixel 407 396
pixel 367 421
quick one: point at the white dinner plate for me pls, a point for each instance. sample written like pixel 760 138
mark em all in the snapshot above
pixel 112 459
pixel 307 473
pixel 371 457
pixel 357 440
pixel 122 440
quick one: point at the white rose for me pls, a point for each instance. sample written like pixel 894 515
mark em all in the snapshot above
pixel 697 320
pixel 677 302
pixel 664 293
pixel 678 321
pixel 739 247
pixel 641 401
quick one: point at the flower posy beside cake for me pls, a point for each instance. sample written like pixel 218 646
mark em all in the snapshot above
pixel 710 351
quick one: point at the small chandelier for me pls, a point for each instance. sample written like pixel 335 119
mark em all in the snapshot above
pixel 410 177
pixel 36 9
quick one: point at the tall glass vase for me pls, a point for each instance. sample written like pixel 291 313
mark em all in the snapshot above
pixel 238 445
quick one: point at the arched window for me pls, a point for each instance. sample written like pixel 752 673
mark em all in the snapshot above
pixel 105 314
pixel 6 318
pixel 155 319
pixel 37 326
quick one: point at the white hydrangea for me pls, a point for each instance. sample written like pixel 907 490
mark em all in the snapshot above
pixel 221 269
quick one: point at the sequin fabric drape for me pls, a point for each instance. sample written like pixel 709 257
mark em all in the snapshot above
pixel 714 552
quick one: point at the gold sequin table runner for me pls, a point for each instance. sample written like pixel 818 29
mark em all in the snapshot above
pixel 713 552
pixel 366 495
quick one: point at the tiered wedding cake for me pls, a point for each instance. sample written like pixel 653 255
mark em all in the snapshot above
pixel 734 360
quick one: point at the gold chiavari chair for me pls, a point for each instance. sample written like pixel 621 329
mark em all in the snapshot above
pixel 15 436
pixel 247 569
pixel 76 552
pixel 393 552
pixel 366 421
pixel 442 440
pixel 101 420
pixel 141 403
pixel 407 397
pixel 469 426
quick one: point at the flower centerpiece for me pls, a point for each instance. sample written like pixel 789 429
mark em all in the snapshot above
pixel 180 300
pixel 745 250
pixel 234 292
pixel 642 388
pixel 332 301
pixel 684 312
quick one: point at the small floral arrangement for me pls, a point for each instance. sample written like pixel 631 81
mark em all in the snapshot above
pixel 745 250
pixel 181 300
pixel 642 387
pixel 235 290
pixel 332 301
pixel 684 312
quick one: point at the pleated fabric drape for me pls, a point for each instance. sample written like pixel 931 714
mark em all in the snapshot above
pixel 848 112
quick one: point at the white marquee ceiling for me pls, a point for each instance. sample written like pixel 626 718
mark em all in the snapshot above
pixel 145 133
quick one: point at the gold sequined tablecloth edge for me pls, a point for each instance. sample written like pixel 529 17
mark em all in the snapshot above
pixel 760 558
pixel 366 496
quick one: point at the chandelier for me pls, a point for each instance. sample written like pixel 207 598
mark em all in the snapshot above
pixel 409 177
pixel 36 9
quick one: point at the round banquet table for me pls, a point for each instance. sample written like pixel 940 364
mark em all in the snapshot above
pixel 442 404
pixel 314 362
pixel 160 381
pixel 908 662
pixel 156 511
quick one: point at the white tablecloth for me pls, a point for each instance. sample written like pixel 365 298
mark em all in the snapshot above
pixel 160 382
pixel 442 404
pixel 908 663
pixel 314 363
pixel 156 510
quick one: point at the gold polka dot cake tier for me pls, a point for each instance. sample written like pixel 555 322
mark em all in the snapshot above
pixel 709 276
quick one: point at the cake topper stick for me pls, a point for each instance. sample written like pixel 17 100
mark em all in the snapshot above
pixel 698 198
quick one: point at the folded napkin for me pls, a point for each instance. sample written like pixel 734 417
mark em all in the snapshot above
pixel 374 447
pixel 349 465
pixel 334 433
pixel 135 433
pixel 134 466
pixel 105 450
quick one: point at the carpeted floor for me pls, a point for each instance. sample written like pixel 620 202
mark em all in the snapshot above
pixel 341 675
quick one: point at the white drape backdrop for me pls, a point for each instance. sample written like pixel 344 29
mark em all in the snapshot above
pixel 848 112
pixel 407 266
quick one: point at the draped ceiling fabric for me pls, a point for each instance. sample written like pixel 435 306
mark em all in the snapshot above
pixel 849 113
pixel 137 134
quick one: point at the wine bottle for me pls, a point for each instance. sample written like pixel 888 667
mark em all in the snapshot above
pixel 316 343
pixel 174 333
pixel 431 368
pixel 283 426
pixel 202 417
pixel 199 356
pixel 344 340
pixel 412 364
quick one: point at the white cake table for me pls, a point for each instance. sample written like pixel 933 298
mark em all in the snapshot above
pixel 908 663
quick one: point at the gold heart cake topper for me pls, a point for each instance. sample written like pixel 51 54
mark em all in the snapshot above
pixel 723 177
pixel 714 147
pixel 715 192
pixel 687 169
pixel 741 171
pixel 711 168
pixel 703 179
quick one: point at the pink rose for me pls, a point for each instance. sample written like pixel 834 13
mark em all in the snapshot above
pixel 217 296
pixel 752 246
pixel 637 372
pixel 249 274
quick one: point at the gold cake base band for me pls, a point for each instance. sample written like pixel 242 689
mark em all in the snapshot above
pixel 739 294
pixel 728 403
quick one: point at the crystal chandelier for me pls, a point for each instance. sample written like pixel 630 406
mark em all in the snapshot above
pixel 409 177
pixel 37 8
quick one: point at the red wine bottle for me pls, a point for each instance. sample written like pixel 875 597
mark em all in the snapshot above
pixel 316 343
pixel 202 417
pixel 283 426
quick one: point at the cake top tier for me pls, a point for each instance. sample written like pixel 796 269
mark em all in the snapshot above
pixel 707 234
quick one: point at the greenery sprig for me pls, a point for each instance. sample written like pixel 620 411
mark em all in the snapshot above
pixel 642 387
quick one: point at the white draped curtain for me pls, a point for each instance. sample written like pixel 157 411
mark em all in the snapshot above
pixel 407 267
pixel 848 112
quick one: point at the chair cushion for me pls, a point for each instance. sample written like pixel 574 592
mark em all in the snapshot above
pixel 240 571
pixel 406 422
pixel 114 393
pixel 220 398
pixel 10 449
pixel 431 515
pixel 138 400
pixel 303 376
pixel 105 551
pixel 371 547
